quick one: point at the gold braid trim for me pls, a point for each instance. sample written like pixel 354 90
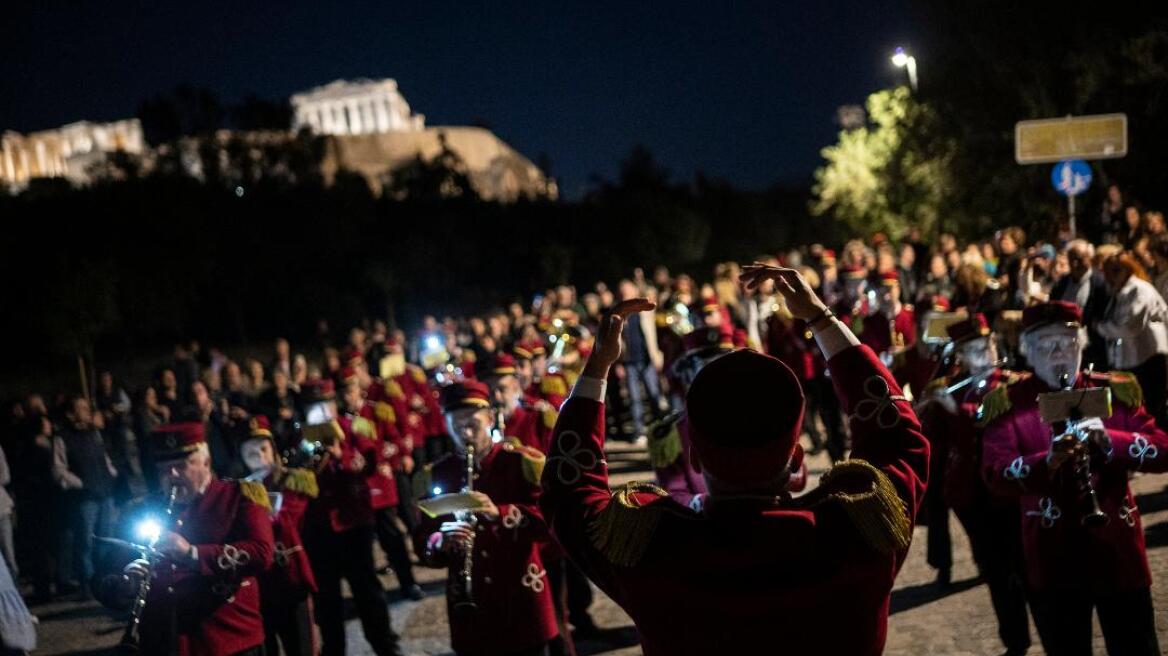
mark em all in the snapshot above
pixel 664 451
pixel 877 511
pixel 622 531
pixel 257 493
pixel 994 405
pixel 1126 389
pixel 302 481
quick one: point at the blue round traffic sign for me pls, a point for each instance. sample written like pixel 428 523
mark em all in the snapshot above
pixel 1071 177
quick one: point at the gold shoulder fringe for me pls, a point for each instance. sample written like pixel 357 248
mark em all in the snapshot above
pixel 302 481
pixel 554 385
pixel 877 511
pixel 622 532
pixel 665 450
pixel 994 405
pixel 384 412
pixel 531 459
pixel 394 389
pixel 257 493
pixel 1126 389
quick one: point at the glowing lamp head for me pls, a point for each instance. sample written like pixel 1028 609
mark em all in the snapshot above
pixel 437 490
pixel 900 58
pixel 149 530
pixel 433 343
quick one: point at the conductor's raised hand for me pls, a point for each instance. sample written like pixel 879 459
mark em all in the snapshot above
pixel 607 349
pixel 801 299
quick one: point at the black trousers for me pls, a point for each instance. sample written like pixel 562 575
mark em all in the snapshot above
pixel 1064 622
pixel 348 554
pixel 541 650
pixel 289 625
pixel 995 537
pixel 393 543
pixel 831 414
pixel 1152 375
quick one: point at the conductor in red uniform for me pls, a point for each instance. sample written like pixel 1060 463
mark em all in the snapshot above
pixel 754 570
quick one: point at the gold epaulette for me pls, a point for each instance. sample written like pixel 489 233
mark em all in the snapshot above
pixel 394 390
pixel 533 461
pixel 934 385
pixel 870 500
pixel 417 373
pixel 550 416
pixel 1126 389
pixel 554 385
pixel 995 404
pixel 665 450
pixel 363 427
pixel 302 481
pixel 384 412
pixel 623 531
pixel 256 492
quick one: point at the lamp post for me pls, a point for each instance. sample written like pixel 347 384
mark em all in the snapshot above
pixel 902 59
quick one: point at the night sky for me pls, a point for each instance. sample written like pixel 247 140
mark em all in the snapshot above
pixel 744 91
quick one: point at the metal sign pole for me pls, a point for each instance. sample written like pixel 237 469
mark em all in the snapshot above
pixel 1071 214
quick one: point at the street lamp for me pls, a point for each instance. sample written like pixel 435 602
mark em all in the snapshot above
pixel 902 59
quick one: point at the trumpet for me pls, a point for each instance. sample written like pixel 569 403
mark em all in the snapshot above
pixel 464 592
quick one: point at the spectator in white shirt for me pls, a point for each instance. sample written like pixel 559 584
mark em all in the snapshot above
pixel 1136 329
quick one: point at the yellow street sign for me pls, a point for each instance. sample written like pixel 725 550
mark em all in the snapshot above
pixel 1103 136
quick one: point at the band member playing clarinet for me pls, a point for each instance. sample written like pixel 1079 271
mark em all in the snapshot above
pixel 1076 560
pixel 206 550
pixel 498 600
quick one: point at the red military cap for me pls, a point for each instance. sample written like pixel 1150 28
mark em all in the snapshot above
pixel 349 373
pixel 319 389
pixel 745 412
pixel 972 328
pixel 258 428
pixel 828 256
pixel 890 278
pixel 941 304
pixel 855 272
pixel 1052 312
pixel 177 441
pixel 526 349
pixel 504 365
pixel 465 394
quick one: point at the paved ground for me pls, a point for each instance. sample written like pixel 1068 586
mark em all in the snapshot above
pixel 924 620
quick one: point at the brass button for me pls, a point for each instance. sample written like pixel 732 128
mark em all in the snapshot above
pixel 483 553
pixel 169 590
pixel 178 523
pixel 486 579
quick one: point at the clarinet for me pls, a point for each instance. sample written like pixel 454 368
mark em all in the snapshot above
pixel 465 599
pixel 1090 514
pixel 131 636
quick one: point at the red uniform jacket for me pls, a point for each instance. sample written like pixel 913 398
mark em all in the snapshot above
pixel 364 434
pixel 805 576
pixel 215 600
pixel 344 492
pixel 878 331
pixel 527 425
pixel 1060 552
pixel 290 580
pixel 787 339
pixel 510 583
